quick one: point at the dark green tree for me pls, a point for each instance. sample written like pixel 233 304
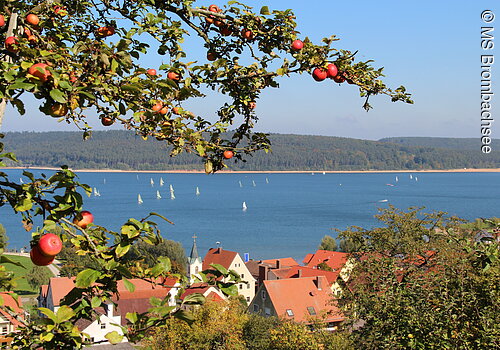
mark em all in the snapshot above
pixel 328 243
pixel 149 254
pixel 37 276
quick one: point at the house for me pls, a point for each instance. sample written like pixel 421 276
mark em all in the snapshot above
pixel 300 299
pixel 194 264
pixel 259 268
pixel 8 322
pixel 97 328
pixel 336 261
pixel 211 293
pixel 232 261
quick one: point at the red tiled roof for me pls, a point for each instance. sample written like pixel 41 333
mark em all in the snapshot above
pixel 299 294
pixel 293 272
pixel 335 260
pixel 283 262
pixel 43 290
pixel 61 286
pixel 212 296
pixel 202 288
pixel 11 302
pixel 218 256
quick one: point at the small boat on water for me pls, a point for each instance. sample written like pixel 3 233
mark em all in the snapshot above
pixel 21 180
pixel 161 181
pixel 416 178
pixel 267 180
pixel 172 195
pixel 383 200
pixel 104 181
pixel 253 183
pixel 324 173
pixel 241 185
pixel 158 196
pixel 244 207
pixel 152 182
pixel 397 179
pixel 139 199
pixel 197 191
pixel 96 192
pixel 389 184
pixel 411 177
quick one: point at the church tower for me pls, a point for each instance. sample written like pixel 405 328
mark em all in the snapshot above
pixel 194 266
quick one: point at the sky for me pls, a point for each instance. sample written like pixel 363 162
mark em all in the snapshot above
pixel 432 48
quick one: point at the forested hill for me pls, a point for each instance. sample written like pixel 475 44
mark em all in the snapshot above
pixel 123 150
pixel 472 144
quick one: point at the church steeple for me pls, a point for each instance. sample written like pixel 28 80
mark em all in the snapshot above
pixel 194 263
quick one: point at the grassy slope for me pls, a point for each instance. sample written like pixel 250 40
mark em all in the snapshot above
pixel 23 288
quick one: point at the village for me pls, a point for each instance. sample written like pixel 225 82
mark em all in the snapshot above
pixel 280 287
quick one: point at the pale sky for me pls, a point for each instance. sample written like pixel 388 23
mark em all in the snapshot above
pixel 432 48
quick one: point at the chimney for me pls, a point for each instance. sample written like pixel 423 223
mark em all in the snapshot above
pixel 299 272
pixel 219 250
pixel 278 264
pixel 262 273
pixel 321 282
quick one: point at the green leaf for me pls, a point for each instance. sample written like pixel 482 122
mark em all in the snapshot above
pixel 122 249
pixel 24 205
pixel 194 299
pixel 64 313
pixel 49 313
pixel 95 302
pixel 129 285
pixel 264 10
pixel 21 85
pixel 131 316
pixel 184 315
pixel 220 268
pixel 86 278
pixel 114 337
pixel 6 260
pixel 58 96
pixel 231 290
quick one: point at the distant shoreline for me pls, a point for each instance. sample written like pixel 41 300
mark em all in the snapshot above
pixel 492 170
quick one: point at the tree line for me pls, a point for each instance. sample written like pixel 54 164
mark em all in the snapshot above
pixel 124 150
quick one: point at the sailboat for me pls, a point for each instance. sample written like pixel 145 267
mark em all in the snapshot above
pixel 137 177
pixel 383 201
pixel 161 181
pixel 397 179
pixel 21 180
pixel 416 178
pixel 158 196
pixel 152 182
pixel 241 185
pixel 244 206
pixel 411 177
pixel 324 173
pixel 197 191
pixel 104 181
pixel 139 199
pixel 267 180
pixel 96 193
pixel 253 183
pixel 172 196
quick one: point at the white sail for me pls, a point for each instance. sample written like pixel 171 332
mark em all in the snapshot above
pixel 397 179
pixel 312 173
pixel 158 196
pixel 104 181
pixel 172 195
pixel 241 185
pixel 416 178
pixel 324 173
pixel 137 177
pixel 411 177
pixel 267 180
pixel 98 194
pixel 161 181
pixel 21 180
pixel 383 201
pixel 152 182
pixel 244 206
pixel 95 192
pixel 253 183
pixel 139 199
pixel 197 191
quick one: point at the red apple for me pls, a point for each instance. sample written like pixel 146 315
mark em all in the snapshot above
pixel 319 74
pixel 225 30
pixel 339 78
pixel 38 258
pixel 176 110
pixel 252 105
pixel 83 219
pixel 10 44
pixel 2 21
pixel 58 110
pixel 107 121
pixel 151 72
pixel 228 154
pixel 105 31
pixel 50 245
pixel 214 8
pixel 247 34
pixel 157 107
pixel 332 70
pixel 40 71
pixel 164 110
pixel 32 19
pixel 173 76
pixel 211 56
pixel 297 45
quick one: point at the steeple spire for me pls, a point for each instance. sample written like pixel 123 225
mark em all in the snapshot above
pixel 194 252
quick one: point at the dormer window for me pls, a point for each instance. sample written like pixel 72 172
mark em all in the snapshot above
pixel 311 310
pixel 289 312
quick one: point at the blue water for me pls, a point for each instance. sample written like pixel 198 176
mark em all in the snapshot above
pixel 286 217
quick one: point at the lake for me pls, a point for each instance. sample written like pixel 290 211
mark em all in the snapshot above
pixel 286 215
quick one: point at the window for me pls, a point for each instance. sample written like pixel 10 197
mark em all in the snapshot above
pixel 255 308
pixel 263 294
pixel 311 310
pixel 242 276
pixel 267 311
pixel 103 325
pixel 196 269
pixel 248 285
pixel 289 312
pixel 248 299
pixel 3 330
pixel 241 286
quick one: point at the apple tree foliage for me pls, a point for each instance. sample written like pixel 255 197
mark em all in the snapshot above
pixel 82 60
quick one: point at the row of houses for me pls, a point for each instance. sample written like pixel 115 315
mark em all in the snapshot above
pixel 274 287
